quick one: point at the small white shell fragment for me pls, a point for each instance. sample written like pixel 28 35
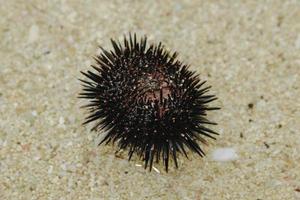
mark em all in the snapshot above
pixel 34 113
pixel 33 33
pixel 297 42
pixel 61 121
pixel 224 154
pixel 50 170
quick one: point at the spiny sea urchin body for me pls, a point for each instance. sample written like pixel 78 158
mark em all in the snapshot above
pixel 148 102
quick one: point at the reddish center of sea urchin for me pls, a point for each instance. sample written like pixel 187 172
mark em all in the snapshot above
pixel 156 88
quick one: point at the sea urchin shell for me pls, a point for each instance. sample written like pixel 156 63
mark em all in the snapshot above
pixel 147 101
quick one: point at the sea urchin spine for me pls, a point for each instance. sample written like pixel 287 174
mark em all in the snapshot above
pixel 147 101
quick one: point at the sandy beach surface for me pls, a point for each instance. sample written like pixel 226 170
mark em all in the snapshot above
pixel 248 51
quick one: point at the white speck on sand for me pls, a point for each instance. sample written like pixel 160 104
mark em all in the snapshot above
pixel 224 154
pixel 33 33
pixel 61 121
pixel 34 113
pixel 297 42
pixel 50 170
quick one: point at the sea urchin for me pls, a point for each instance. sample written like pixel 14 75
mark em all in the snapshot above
pixel 147 101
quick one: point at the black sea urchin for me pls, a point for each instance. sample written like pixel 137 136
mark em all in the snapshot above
pixel 147 101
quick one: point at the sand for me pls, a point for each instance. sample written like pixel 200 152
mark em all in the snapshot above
pixel 248 51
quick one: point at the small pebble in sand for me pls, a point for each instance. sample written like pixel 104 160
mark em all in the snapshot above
pixel 224 154
pixel 250 105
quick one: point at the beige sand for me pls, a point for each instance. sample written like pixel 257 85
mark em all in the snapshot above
pixel 249 51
